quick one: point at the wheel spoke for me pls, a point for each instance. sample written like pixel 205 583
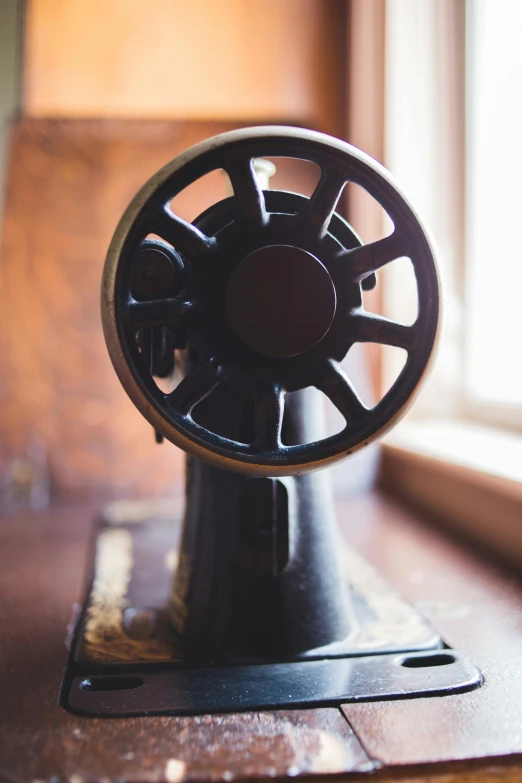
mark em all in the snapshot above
pixel 323 201
pixel 195 386
pixel 250 200
pixel 366 260
pixel 269 408
pixel 333 382
pixel 158 312
pixel 369 328
pixel 182 236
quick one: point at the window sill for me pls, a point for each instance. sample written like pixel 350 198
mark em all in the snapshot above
pixel 467 475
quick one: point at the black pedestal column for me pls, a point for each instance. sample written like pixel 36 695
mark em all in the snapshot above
pixel 258 574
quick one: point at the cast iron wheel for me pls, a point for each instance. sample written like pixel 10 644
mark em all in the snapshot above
pixel 263 288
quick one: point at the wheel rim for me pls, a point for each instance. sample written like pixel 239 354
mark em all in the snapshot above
pixel 339 163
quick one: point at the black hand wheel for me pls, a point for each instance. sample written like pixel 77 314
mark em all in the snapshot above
pixel 263 288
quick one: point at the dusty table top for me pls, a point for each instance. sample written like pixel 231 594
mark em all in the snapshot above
pixel 476 736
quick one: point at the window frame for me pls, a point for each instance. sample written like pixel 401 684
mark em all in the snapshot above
pixel 445 486
pixel 471 408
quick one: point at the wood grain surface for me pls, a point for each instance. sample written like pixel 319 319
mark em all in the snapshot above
pixel 42 560
pixel 478 499
pixel 478 609
pixel 68 184
pixel 365 75
pixel 473 737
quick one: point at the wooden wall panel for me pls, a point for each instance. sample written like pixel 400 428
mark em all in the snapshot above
pixel 185 70
pixel 68 185
pixel 190 60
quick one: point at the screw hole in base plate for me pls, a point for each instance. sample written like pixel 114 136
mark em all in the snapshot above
pixel 425 661
pixel 111 683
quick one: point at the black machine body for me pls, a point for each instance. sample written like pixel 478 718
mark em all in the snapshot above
pixel 250 311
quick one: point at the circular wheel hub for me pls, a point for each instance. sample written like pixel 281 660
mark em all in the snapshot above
pixel 281 301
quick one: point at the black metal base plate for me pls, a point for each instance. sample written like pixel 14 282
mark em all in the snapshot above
pixel 125 661
pixel 296 684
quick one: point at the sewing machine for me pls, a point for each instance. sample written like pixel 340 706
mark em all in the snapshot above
pixel 226 333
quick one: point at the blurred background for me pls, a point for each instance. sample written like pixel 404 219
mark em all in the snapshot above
pixel 96 95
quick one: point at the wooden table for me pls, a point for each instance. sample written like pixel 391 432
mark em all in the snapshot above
pixel 477 736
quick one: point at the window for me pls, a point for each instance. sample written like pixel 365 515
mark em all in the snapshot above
pixel 452 137
pixel 493 322
pixel 453 131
